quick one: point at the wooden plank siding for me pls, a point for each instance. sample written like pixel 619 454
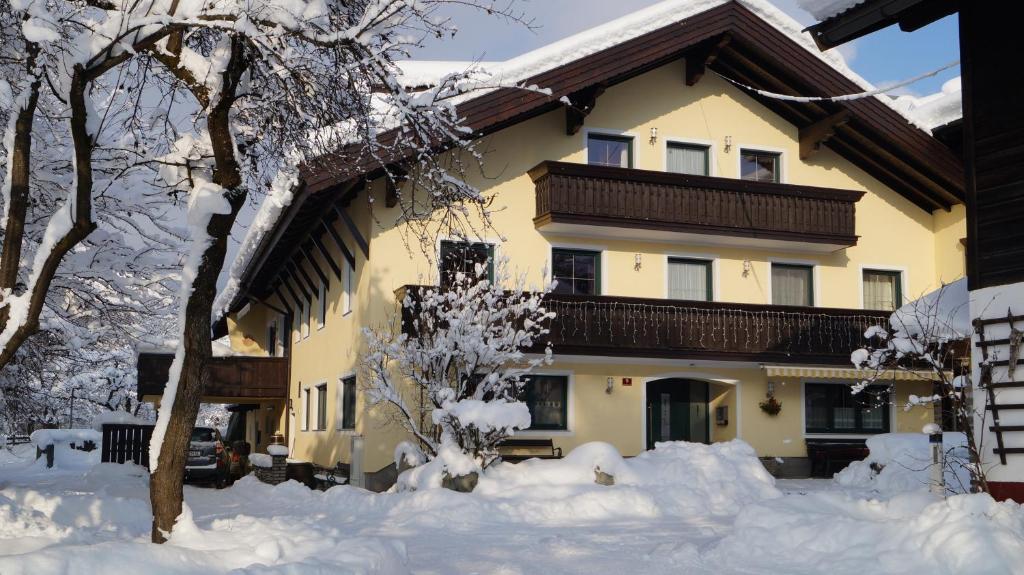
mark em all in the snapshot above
pixel 624 197
pixel 226 377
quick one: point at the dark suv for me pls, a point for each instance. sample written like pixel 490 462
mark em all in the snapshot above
pixel 208 459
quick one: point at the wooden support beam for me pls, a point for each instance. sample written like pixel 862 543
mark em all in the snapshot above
pixel 274 307
pixel 329 228
pixel 288 286
pixel 284 301
pixel 326 254
pixel 298 284
pixel 352 229
pixel 307 254
pixel 702 55
pixel 301 272
pixel 816 134
pixel 581 104
pixel 397 175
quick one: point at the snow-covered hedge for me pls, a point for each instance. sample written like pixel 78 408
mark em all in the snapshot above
pixel 900 462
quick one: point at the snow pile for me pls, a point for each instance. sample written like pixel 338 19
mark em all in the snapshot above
pixel 277 449
pixel 913 533
pixel 936 109
pixel 825 9
pixel 486 416
pixel 944 313
pixel 118 417
pixel 675 479
pixel 450 461
pixel 43 438
pixel 901 462
pixel 261 460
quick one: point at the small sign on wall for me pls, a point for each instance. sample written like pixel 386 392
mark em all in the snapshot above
pixel 627 381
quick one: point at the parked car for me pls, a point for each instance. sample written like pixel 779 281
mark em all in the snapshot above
pixel 208 459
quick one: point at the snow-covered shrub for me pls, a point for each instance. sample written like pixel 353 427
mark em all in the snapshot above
pixel 457 362
pixel 900 462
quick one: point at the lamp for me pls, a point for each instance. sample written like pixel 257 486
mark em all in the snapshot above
pixel 610 385
pixel 654 135
pixel 728 144
pixel 638 261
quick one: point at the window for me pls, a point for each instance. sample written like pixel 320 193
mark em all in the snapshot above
pixel 347 279
pixel 282 333
pixel 321 407
pixel 297 320
pixel 688 159
pixel 305 318
pixel 759 166
pixel 576 271
pixel 463 257
pixel 882 290
pixel 689 279
pixel 604 150
pixel 831 408
pixel 792 285
pixel 305 409
pixel 272 338
pixel 321 305
pixel 547 396
pixel 345 406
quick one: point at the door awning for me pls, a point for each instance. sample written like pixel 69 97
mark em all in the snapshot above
pixel 850 374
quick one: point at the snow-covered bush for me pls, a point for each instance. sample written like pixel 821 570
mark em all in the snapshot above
pixel 900 462
pixel 457 361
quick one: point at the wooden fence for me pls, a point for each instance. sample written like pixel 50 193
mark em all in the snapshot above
pixel 126 442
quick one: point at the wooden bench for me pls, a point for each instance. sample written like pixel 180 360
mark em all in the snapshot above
pixel 328 477
pixel 829 455
pixel 512 449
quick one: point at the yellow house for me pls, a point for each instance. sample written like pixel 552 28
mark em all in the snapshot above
pixel 713 246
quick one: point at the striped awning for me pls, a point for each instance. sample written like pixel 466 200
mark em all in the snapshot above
pixel 849 374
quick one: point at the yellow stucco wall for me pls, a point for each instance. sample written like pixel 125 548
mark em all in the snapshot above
pixel 894 234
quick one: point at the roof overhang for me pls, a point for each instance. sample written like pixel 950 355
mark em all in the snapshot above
pixel 873 15
pixel 874 136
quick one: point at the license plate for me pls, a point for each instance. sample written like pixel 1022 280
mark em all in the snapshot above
pixel 195 453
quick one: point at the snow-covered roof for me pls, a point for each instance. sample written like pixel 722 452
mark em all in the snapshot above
pixel 936 109
pixel 825 9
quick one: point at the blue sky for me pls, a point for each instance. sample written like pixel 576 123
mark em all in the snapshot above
pixel 884 57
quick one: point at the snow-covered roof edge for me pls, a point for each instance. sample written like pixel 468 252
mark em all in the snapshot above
pixel 535 62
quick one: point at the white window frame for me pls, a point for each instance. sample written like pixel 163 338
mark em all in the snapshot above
pixel 321 305
pixel 740 148
pixel 881 268
pixel 304 323
pixel 321 394
pixel 610 132
pixel 815 295
pixel 296 328
pixel 339 404
pixel 347 279
pixel 712 169
pixel 603 249
pixel 713 258
pixel 305 407
pixel 570 412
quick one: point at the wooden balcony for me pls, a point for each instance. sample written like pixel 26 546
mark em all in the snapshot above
pixel 228 378
pixel 611 326
pixel 600 201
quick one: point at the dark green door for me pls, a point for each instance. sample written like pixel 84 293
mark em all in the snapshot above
pixel 677 410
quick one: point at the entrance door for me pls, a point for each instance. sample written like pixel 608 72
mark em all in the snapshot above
pixel 677 410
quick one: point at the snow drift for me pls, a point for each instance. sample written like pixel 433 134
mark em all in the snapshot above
pixel 901 462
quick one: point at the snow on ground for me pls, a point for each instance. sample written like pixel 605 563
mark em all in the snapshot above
pixel 682 508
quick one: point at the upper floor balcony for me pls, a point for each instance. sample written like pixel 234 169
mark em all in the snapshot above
pixel 601 201
pixel 231 378
pixel 615 326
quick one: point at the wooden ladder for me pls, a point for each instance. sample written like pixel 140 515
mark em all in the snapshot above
pixel 1013 359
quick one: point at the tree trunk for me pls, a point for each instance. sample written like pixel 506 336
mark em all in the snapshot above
pixel 166 493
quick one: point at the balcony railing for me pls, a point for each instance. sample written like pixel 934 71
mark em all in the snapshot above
pixel 576 196
pixel 239 377
pixel 613 326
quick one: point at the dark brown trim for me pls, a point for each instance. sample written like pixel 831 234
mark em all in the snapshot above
pixel 308 255
pixel 354 231
pixel 329 227
pixel 243 377
pixel 299 271
pixel 703 55
pixel 326 254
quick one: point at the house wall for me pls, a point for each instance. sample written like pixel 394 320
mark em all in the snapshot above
pixel 894 234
